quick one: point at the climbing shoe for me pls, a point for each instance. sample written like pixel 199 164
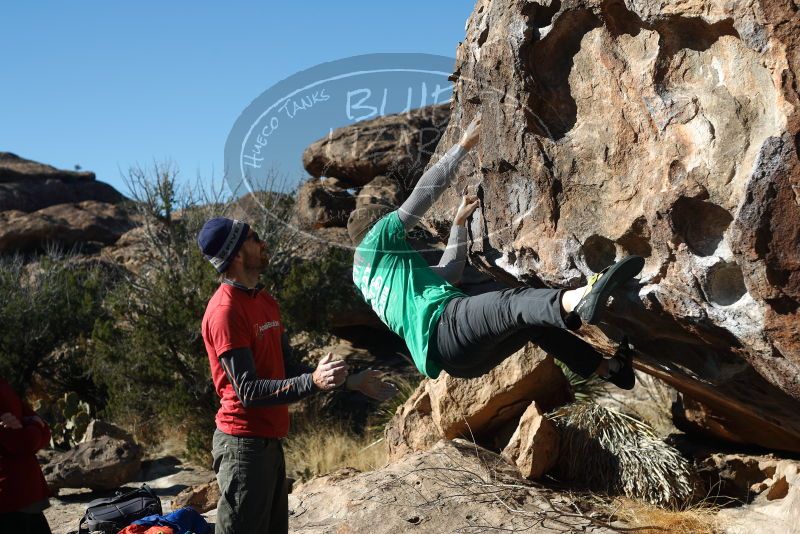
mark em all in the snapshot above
pixel 620 367
pixel 600 286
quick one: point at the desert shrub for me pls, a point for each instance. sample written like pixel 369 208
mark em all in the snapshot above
pixel 150 357
pixel 385 411
pixel 46 304
pixel 609 451
pixel 148 353
pixel 68 416
pixel 313 290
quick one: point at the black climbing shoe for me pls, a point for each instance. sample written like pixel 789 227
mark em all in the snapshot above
pixel 623 377
pixel 603 283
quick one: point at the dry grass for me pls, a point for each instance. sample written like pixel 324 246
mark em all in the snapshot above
pixel 317 446
pixel 697 519
pixel 317 449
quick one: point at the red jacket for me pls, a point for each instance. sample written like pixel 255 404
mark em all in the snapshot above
pixel 21 480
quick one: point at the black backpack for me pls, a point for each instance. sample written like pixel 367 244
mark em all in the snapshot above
pixel 112 514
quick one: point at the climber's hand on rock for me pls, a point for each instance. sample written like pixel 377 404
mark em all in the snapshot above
pixel 469 203
pixel 471 134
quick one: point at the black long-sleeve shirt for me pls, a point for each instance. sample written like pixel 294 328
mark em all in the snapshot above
pixel 253 391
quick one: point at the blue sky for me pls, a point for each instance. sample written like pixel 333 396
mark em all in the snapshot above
pixel 107 85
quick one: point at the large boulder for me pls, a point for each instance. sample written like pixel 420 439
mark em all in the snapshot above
pixel 103 463
pixel 382 190
pixel 663 129
pixel 486 408
pixel 323 204
pixel 412 428
pixel 98 428
pixel 29 186
pixel 64 224
pixel 399 145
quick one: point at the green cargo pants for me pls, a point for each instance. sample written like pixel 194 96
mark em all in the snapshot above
pixel 251 474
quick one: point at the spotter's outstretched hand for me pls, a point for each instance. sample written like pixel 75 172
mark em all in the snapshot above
pixel 370 384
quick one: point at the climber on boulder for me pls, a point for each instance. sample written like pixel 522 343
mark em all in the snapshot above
pixel 444 328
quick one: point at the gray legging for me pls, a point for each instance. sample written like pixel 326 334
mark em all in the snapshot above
pixel 475 334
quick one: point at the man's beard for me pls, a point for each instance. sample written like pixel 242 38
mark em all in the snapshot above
pixel 257 264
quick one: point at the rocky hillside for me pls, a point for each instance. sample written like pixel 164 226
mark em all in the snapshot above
pixel 668 130
pixel 41 205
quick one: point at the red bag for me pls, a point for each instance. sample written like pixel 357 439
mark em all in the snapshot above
pixel 141 529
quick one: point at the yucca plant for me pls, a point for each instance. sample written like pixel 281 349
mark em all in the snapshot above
pixel 610 451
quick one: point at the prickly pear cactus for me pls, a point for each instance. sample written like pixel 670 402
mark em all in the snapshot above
pixel 71 418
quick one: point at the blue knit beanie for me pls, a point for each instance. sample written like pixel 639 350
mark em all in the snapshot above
pixel 220 240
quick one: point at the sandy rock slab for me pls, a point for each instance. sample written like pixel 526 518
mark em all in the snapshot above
pixel 454 487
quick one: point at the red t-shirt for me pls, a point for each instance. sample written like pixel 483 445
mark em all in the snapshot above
pixel 235 319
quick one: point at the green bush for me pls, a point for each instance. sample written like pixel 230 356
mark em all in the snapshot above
pixel 314 290
pixel 583 389
pixel 47 304
pixel 148 353
pixel 150 357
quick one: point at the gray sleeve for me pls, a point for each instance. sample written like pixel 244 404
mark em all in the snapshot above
pixel 253 391
pixel 454 258
pixel 430 187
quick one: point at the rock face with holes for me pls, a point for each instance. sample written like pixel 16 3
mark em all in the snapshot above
pixel 663 129
pixel 769 486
